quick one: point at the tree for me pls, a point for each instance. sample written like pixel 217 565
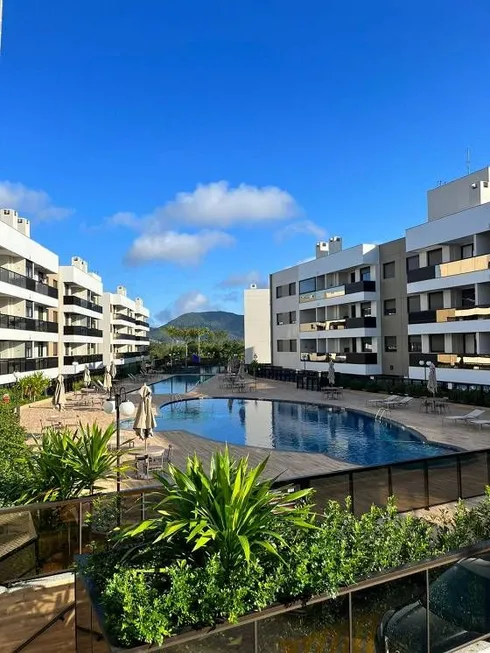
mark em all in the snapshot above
pixel 14 456
pixel 31 387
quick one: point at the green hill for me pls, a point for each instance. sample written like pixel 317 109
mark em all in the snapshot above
pixel 213 320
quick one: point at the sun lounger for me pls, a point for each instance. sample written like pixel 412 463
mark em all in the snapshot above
pixel 472 415
pixel 480 422
pixel 381 401
pixel 401 402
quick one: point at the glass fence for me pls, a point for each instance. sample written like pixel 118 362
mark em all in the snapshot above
pixel 43 538
pixel 435 607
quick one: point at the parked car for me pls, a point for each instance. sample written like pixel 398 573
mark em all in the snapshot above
pixel 459 612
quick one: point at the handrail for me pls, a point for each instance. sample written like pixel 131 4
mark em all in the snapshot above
pixel 47 626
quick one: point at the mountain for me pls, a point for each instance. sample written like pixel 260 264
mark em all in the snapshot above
pixel 213 320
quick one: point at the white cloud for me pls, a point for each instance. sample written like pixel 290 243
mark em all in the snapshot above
pixel 33 203
pixel 175 247
pixel 192 301
pixel 124 219
pixel 244 280
pixel 218 205
pixel 307 227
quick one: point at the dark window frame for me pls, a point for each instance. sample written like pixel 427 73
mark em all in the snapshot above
pixel 390 265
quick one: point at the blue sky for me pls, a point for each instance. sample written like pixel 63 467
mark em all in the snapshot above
pixel 187 148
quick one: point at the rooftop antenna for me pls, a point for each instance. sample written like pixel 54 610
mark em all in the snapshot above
pixel 468 157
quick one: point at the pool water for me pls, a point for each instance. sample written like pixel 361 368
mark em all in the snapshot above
pixel 349 435
pixel 179 384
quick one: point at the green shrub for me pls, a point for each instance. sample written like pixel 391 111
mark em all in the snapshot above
pixel 31 387
pixel 14 456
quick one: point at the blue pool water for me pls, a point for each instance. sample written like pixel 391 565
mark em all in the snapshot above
pixel 350 436
pixel 179 384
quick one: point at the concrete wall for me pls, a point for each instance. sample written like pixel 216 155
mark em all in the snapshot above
pixel 394 363
pixel 257 313
pixel 459 195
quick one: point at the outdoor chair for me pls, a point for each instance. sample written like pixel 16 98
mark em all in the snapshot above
pixel 472 415
pixel 401 402
pixel 381 401
pixel 479 422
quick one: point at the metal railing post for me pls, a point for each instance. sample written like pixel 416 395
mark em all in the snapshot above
pixel 426 485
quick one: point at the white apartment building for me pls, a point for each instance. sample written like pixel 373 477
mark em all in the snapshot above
pixel 52 317
pixel 29 306
pixel 82 328
pixel 328 308
pixel 448 283
pixel 257 324
pixel 126 328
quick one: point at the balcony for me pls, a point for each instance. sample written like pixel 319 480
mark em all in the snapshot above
pixel 338 291
pixel 351 358
pixel 132 354
pixel 88 358
pixel 127 336
pixel 461 266
pixel 83 303
pixel 16 279
pixel 456 361
pixel 126 318
pixel 142 323
pixel 339 325
pixel 89 332
pixel 27 324
pixel 422 317
pixel 11 365
pixel 454 319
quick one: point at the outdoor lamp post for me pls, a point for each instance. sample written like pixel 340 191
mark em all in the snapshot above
pixel 117 402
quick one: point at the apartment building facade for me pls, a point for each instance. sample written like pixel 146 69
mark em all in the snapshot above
pixel 257 326
pixel 52 316
pixel 126 328
pixel 394 308
pixel 29 302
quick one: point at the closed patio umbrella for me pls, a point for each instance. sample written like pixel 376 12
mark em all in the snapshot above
pixel 86 377
pixel 59 393
pixel 113 370
pixel 144 422
pixel 432 380
pixel 241 369
pixel 107 379
pixel 331 373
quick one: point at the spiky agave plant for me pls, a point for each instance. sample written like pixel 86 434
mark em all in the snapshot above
pixel 232 511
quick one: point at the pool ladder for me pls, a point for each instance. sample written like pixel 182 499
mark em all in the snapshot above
pixel 382 412
pixel 176 402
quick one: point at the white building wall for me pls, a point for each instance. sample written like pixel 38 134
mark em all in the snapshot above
pixel 257 321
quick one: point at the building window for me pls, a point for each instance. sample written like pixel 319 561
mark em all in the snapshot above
pixel 307 285
pixel 292 288
pixel 287 346
pixel 413 262
pixel 413 303
pixel 285 291
pixel 390 306
pixel 436 301
pixel 29 269
pixel 286 318
pixel 365 274
pixel 434 257
pixel 389 270
pixel 390 343
pixel 29 309
pixel 55 349
pixel 28 349
pixel 415 344
pixel 467 251
pixel 41 349
pixel 468 298
pixel 366 344
pixel 365 309
pixel 436 343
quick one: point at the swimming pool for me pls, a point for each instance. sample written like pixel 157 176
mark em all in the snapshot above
pixel 287 426
pixel 179 384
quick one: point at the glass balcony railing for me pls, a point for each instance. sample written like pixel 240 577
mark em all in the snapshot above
pixel 339 324
pixel 455 361
pixel 338 291
pixel 83 303
pixel 450 315
pixel 20 280
pixel 461 266
pixel 11 365
pixel 75 330
pixel 87 358
pixel 27 324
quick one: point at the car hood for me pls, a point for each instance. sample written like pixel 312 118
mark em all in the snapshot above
pixel 406 631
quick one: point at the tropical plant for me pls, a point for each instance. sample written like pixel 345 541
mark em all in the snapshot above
pixel 231 511
pixel 31 387
pixel 14 456
pixel 64 465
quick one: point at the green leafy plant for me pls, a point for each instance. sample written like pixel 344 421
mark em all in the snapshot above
pixel 231 511
pixel 31 387
pixel 14 456
pixel 64 465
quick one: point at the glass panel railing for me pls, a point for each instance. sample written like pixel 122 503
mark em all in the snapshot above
pixel 408 486
pixel 240 639
pixel 443 480
pixel 330 488
pixel 474 474
pixel 370 487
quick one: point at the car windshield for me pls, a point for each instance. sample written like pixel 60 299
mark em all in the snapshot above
pixel 462 598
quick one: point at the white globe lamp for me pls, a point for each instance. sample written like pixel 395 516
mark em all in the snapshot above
pixel 109 406
pixel 126 408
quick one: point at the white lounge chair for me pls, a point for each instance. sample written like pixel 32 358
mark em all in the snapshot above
pixel 401 402
pixel 479 422
pixel 472 415
pixel 381 401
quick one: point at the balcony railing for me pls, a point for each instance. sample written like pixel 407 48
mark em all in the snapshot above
pixel 83 303
pixel 422 317
pixel 142 323
pixel 360 286
pixel 464 314
pixel 339 324
pixel 131 354
pixel 338 291
pixel 126 318
pixel 125 336
pixel 353 358
pixel 11 365
pixel 456 361
pixel 74 330
pixel 20 280
pixel 442 270
pixel 88 358
pixel 27 324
